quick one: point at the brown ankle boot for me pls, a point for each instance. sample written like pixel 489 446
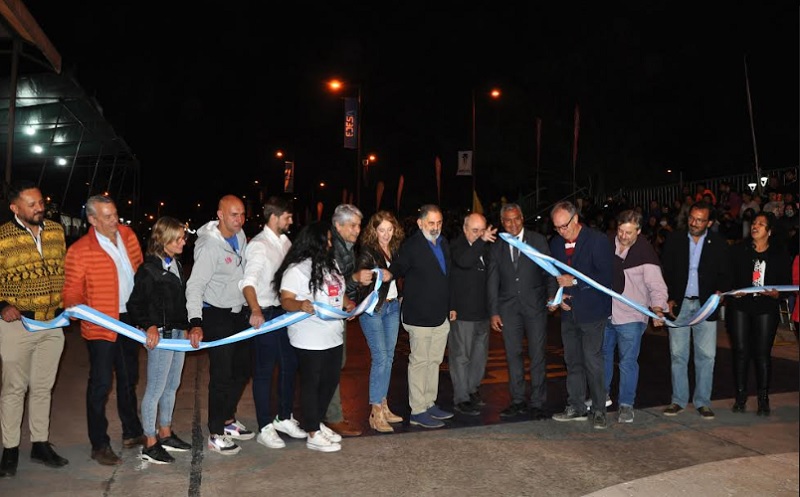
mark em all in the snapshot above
pixel 389 415
pixel 377 422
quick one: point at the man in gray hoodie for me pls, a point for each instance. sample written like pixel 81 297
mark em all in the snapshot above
pixel 215 303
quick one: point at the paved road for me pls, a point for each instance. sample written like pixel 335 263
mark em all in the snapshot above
pixel 733 454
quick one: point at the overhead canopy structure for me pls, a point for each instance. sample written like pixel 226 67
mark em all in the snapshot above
pixel 51 131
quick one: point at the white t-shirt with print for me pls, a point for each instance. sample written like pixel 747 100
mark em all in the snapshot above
pixel 313 333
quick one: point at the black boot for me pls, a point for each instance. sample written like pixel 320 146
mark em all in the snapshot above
pixel 8 464
pixel 42 452
pixel 741 400
pixel 763 403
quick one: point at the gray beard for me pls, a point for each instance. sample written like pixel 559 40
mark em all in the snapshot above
pixel 430 237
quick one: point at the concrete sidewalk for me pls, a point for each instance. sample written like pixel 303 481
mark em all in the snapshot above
pixel 734 454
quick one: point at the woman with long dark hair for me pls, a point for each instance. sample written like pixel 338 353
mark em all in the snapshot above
pixel 380 241
pixel 752 319
pixel 309 274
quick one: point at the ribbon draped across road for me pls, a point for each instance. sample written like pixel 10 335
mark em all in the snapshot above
pixel 552 266
pixel 321 310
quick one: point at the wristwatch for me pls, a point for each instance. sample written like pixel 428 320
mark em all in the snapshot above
pixel 574 281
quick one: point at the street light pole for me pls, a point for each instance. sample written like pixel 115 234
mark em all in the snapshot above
pixel 358 146
pixel 472 195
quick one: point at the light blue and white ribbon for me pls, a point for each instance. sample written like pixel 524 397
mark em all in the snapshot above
pixel 321 310
pixel 550 264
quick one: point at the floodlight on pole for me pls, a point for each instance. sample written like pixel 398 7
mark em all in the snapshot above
pixel 752 187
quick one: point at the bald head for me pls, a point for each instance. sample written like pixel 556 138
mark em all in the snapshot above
pixel 474 227
pixel 230 212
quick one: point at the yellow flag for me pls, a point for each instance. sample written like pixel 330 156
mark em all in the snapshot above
pixel 476 203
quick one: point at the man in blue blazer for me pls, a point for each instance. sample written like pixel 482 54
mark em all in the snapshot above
pixel 584 311
pixel 518 290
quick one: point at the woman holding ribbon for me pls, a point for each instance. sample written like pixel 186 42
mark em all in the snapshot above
pixel 752 318
pixel 307 276
pixel 158 306
pixel 379 244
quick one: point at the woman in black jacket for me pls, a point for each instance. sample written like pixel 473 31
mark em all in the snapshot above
pixel 752 319
pixel 158 306
pixel 379 243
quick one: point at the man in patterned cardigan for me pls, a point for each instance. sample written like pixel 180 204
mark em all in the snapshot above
pixel 31 277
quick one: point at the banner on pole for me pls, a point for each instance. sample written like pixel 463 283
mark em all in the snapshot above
pixel 464 163
pixel 351 123
pixel 288 177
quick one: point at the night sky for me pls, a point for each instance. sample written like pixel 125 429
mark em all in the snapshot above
pixel 223 85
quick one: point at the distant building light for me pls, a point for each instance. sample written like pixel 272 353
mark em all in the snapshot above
pixel 61 161
pixel 37 149
pixel 30 130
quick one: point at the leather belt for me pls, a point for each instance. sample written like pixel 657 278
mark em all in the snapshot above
pixel 692 298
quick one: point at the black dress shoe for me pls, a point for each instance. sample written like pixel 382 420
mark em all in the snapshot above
pixel 538 414
pixel 467 408
pixel 9 462
pixel 42 452
pixel 130 443
pixel 477 401
pixel 514 409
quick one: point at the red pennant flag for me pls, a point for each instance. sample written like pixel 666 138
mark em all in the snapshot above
pixel 379 195
pixel 399 193
pixel 438 165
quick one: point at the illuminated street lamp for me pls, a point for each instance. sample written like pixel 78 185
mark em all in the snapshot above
pixel 495 94
pixel 336 86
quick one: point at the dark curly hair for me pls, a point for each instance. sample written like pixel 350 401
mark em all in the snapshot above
pixel 311 243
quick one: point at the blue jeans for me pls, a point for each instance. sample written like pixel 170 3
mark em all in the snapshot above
pixel 704 336
pixel 270 348
pixel 164 368
pixel 627 339
pixel 381 330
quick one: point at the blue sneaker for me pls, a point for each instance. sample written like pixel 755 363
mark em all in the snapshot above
pixel 440 414
pixel 425 420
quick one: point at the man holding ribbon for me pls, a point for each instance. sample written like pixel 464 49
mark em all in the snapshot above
pixel 696 264
pixel 584 310
pixel 99 272
pixel 31 277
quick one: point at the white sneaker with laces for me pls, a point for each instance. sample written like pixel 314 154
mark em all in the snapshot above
pixel 268 437
pixel 238 431
pixel 289 426
pixel 223 445
pixel 332 435
pixel 322 443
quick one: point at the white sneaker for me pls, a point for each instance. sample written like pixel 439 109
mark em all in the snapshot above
pixel 289 426
pixel 322 443
pixel 268 437
pixel 332 435
pixel 223 445
pixel 238 431
pixel 608 402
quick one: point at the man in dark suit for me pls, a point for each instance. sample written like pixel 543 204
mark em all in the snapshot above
pixel 424 263
pixel 695 266
pixel 518 290
pixel 469 314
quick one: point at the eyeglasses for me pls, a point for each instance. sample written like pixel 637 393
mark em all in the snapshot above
pixel 564 226
pixel 698 220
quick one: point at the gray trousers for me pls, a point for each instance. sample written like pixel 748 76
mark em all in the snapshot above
pixel 583 353
pixel 533 326
pixel 468 350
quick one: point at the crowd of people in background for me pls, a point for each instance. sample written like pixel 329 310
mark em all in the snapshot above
pixel 447 278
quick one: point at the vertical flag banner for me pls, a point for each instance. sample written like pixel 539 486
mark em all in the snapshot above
pixel 438 167
pixel 350 198
pixel 319 210
pixel 351 123
pixel 464 163
pixel 477 206
pixel 399 193
pixel 288 177
pixel 378 195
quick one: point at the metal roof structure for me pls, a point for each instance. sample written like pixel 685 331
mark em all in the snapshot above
pixel 51 131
